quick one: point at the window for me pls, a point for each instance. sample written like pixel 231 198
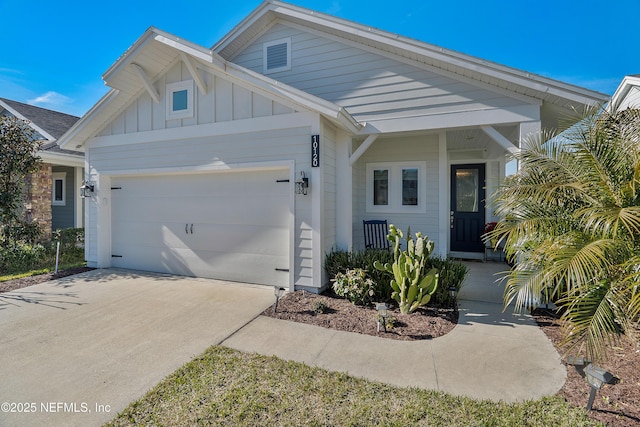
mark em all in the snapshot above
pixel 276 55
pixel 396 187
pixel 180 100
pixel 58 193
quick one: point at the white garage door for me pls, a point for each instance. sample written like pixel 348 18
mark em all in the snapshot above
pixel 230 226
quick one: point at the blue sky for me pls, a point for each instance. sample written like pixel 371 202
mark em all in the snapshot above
pixel 54 53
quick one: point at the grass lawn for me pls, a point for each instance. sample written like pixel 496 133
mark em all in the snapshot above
pixel 5 277
pixel 227 387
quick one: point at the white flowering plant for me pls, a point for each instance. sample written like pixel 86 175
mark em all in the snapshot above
pixel 355 286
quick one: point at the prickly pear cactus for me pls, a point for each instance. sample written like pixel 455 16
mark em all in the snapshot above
pixel 412 286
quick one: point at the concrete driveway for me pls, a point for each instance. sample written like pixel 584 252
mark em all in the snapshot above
pixel 78 350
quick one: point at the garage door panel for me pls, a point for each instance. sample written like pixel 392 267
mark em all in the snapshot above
pixel 240 225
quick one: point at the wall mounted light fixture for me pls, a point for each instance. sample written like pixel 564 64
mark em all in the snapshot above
pixel 302 184
pixel 87 189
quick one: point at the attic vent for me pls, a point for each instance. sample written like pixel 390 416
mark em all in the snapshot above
pixel 277 55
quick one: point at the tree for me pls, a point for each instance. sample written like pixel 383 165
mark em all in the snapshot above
pixel 18 158
pixel 571 220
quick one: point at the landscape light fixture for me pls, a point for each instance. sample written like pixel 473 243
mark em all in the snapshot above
pixel 382 309
pixel 87 188
pixel 453 293
pixel 278 292
pixel 596 377
pixel 302 184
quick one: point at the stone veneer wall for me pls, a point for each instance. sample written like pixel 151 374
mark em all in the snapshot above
pixel 37 202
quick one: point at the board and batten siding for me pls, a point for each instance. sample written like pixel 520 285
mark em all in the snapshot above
pixel 401 149
pixel 369 85
pixel 224 101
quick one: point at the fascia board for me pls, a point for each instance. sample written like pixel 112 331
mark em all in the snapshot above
pixel 62 159
pixel 79 128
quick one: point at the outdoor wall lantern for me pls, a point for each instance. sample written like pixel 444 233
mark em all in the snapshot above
pixel 87 189
pixel 278 292
pixel 382 310
pixel 597 377
pixel 302 184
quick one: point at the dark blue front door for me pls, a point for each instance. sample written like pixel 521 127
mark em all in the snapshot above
pixel 467 207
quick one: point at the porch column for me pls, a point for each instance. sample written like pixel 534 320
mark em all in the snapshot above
pixel 102 200
pixel 344 193
pixel 78 217
pixel 527 129
pixel 442 248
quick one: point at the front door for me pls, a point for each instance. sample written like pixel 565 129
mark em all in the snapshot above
pixel 467 209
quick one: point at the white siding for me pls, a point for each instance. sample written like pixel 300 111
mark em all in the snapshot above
pixel 417 148
pixel 632 100
pixel 224 101
pixel 328 165
pixel 369 85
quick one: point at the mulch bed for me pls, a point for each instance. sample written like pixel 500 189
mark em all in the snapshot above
pixel 14 284
pixel 424 323
pixel 614 405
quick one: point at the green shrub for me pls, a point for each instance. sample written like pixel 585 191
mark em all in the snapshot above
pixel 339 261
pixel 451 273
pixel 355 286
pixel 21 257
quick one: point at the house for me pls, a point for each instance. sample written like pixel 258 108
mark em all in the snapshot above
pixel 627 95
pixel 53 191
pixel 198 157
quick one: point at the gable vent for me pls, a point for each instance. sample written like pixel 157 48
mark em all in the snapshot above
pixel 277 56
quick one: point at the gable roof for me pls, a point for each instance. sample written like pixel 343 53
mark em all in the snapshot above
pixel 152 55
pixel 629 83
pixel 270 12
pixel 50 124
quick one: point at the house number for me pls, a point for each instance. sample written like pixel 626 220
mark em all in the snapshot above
pixel 315 151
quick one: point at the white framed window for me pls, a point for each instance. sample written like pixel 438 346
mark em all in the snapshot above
pixel 180 100
pixel 276 55
pixel 59 191
pixel 396 187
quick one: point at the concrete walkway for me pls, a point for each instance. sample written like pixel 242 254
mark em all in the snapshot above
pixel 489 355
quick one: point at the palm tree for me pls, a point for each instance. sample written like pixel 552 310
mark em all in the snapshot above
pixel 572 223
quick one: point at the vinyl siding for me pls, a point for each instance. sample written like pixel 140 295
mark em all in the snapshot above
pixel 371 86
pixel 64 216
pixel 418 148
pixel 632 100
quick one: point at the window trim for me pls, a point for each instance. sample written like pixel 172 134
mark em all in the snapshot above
pixel 59 176
pixel 266 45
pixel 395 187
pixel 187 85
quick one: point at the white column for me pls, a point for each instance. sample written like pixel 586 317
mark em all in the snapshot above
pixel 442 249
pixel 102 198
pixel 78 217
pixel 316 192
pixel 344 193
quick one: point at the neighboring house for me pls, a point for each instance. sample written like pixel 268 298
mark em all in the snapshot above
pixel 194 153
pixel 53 192
pixel 627 95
